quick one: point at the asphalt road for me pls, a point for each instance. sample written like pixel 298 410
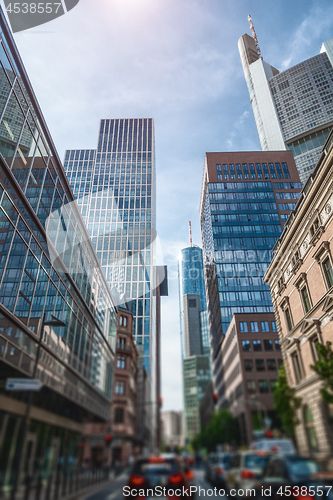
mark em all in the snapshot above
pixel 115 490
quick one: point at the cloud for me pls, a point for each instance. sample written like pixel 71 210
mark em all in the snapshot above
pixel 315 25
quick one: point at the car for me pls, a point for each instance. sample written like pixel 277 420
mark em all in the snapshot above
pixel 246 467
pixel 285 475
pixel 277 446
pixel 150 474
pixel 210 463
pixel 219 470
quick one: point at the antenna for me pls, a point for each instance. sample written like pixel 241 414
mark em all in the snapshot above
pixel 253 31
pixel 190 229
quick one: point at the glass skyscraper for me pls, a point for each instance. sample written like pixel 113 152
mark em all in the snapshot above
pixel 246 199
pixel 194 335
pixel 115 190
pixel 57 315
pixel 293 109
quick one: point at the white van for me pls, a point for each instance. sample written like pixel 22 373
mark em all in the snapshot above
pixel 279 446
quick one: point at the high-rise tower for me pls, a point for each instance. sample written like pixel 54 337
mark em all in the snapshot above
pixel 115 190
pixel 293 109
pixel 194 335
pixel 246 199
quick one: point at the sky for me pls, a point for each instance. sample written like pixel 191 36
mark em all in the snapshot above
pixel 176 61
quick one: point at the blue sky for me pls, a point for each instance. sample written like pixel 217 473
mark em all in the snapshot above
pixel 176 61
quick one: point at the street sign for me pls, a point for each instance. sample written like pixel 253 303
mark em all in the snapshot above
pixel 23 384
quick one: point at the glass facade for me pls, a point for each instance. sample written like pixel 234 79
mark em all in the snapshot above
pixel 115 190
pixel 48 268
pixel 241 219
pixel 191 281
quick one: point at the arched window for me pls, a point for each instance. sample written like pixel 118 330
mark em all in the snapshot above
pixel 310 429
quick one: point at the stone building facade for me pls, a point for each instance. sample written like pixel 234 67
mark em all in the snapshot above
pixel 301 281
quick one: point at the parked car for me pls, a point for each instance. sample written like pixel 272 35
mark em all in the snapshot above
pixel 210 463
pixel 278 446
pixel 162 471
pixel 284 475
pixel 219 472
pixel 246 468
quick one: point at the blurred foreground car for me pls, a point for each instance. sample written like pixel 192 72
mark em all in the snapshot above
pixel 277 446
pixel 294 476
pixel 152 472
pixel 220 470
pixel 210 464
pixel 246 468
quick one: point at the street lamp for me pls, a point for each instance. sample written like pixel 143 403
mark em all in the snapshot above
pixel 22 443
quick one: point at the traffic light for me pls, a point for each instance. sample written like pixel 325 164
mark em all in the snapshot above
pixel 160 403
pixel 215 398
pixel 108 439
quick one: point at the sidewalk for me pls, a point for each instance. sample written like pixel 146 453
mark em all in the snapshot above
pixel 83 495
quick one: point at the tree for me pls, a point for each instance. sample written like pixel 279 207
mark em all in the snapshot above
pixel 221 428
pixel 324 368
pixel 286 403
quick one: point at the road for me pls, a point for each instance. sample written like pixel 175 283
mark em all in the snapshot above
pixel 115 490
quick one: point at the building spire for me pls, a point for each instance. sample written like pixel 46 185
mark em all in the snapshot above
pixel 190 229
pixel 254 35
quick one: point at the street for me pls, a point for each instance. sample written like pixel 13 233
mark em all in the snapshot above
pixel 114 490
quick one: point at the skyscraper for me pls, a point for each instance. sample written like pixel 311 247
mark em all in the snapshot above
pixel 293 109
pixel 194 335
pixel 115 190
pixel 246 199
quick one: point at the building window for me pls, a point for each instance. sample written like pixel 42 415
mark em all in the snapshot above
pixel 260 365
pixel 268 345
pixel 121 362
pixel 288 319
pixel 274 326
pixel 271 364
pixel 305 299
pixel 265 326
pixel 120 388
pixel 263 386
pixel 310 430
pixel 246 345
pixel 328 271
pixel 248 365
pixel 119 415
pixel 277 345
pixel 192 303
pixel 243 327
pixel 295 358
pixel 313 345
pixel 251 386
pixel 254 326
pixel 121 343
pixel 123 321
pixel 257 345
pixel 273 383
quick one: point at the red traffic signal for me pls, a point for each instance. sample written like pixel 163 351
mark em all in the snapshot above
pixel 215 397
pixel 160 402
pixel 108 439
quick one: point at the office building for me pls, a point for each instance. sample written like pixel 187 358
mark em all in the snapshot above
pixel 172 430
pixel 194 335
pixel 246 199
pixel 293 109
pixel 115 188
pixel 248 370
pixel 301 281
pixel 110 443
pixel 57 316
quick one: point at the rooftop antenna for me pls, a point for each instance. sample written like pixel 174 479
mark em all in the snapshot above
pixel 190 229
pixel 253 31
